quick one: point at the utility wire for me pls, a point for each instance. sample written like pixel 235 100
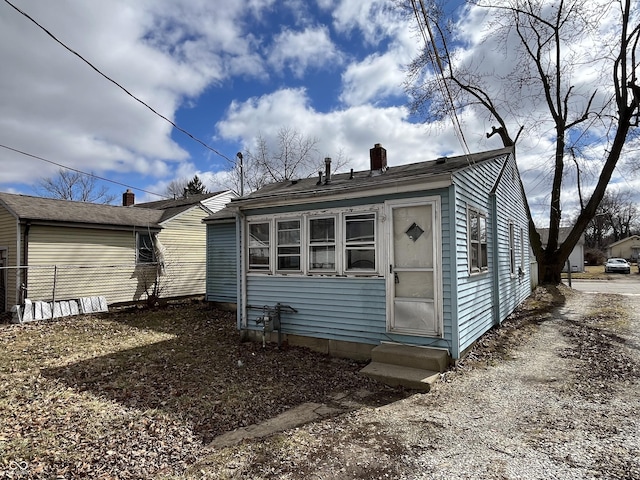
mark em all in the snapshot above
pixel 80 171
pixel 205 145
pixel 436 62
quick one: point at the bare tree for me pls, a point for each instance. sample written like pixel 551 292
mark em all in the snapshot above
pixel 539 88
pixel 176 188
pixel 290 155
pixel 71 185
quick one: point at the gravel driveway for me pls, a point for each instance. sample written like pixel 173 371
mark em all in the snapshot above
pixel 557 397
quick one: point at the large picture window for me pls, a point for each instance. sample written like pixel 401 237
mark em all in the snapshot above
pixel 289 245
pixel 477 236
pixel 259 242
pixel 360 242
pixel 322 243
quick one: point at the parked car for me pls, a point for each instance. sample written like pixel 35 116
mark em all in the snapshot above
pixel 617 265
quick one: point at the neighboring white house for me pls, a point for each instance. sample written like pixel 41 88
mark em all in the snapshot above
pixel 576 258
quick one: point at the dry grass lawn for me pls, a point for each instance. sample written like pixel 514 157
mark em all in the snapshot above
pixel 138 393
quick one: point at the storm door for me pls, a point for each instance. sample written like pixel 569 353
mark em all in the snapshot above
pixel 413 283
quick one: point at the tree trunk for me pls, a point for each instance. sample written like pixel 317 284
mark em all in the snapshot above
pixel 550 270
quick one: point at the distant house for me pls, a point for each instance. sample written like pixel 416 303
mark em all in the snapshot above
pixel 431 254
pixel 85 249
pixel 628 248
pixel 576 258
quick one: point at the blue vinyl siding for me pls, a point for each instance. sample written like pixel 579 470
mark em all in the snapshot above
pixel 510 208
pixel 336 308
pixel 222 263
pixel 479 305
pixel 349 309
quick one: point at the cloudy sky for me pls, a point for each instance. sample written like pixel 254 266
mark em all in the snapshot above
pixel 224 71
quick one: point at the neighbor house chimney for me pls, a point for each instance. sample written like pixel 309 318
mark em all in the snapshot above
pixel 378 156
pixel 128 198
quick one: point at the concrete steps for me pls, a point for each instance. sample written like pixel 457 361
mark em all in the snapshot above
pixel 407 366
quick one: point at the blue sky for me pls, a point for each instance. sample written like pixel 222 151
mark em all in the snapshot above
pixel 226 72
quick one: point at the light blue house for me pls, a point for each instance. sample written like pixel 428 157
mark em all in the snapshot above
pixel 430 254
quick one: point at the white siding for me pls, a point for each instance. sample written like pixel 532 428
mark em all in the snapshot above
pixel 9 241
pixel 185 240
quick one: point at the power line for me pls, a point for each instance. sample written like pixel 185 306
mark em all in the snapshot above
pixel 193 137
pixel 436 62
pixel 80 171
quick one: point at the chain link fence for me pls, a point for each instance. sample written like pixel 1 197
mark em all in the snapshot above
pixel 125 283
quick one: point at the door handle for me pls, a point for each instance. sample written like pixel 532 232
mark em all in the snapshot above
pixel 396 278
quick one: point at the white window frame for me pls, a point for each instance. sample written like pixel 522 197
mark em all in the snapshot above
pixel 298 245
pixel 477 244
pixel 310 244
pixel 360 245
pixel 268 267
pixel 512 248
pixel 340 215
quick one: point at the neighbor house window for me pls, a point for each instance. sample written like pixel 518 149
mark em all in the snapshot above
pixel 144 248
pixel 259 241
pixel 360 241
pixel 322 243
pixel 512 248
pixel 477 232
pixel 289 245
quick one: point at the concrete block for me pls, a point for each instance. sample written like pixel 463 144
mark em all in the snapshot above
pixel 27 312
pixel 16 314
pixel 64 308
pixel 102 301
pixel 46 310
pixel 85 305
pixel 73 307
pixel 57 310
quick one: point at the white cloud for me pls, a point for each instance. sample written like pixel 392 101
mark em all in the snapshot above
pixel 375 78
pixel 163 52
pixel 353 130
pixel 299 51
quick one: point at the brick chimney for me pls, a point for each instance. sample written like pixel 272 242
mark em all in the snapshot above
pixel 128 198
pixel 378 156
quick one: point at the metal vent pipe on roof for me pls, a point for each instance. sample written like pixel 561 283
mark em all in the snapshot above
pixel 327 169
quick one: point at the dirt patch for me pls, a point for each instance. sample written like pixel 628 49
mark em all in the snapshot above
pixel 139 393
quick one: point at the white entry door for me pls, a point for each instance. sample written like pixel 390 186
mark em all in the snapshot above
pixel 413 284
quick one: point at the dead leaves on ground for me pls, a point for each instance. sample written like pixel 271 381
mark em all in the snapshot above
pixel 137 393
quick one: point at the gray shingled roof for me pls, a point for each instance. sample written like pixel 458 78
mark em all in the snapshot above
pixel 40 209
pixel 178 202
pixel 364 180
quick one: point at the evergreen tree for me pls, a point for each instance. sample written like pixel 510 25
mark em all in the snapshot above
pixel 195 187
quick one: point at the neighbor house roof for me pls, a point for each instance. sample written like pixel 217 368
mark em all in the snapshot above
pixel 356 183
pixel 49 210
pixel 632 238
pixel 176 206
pixel 563 233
